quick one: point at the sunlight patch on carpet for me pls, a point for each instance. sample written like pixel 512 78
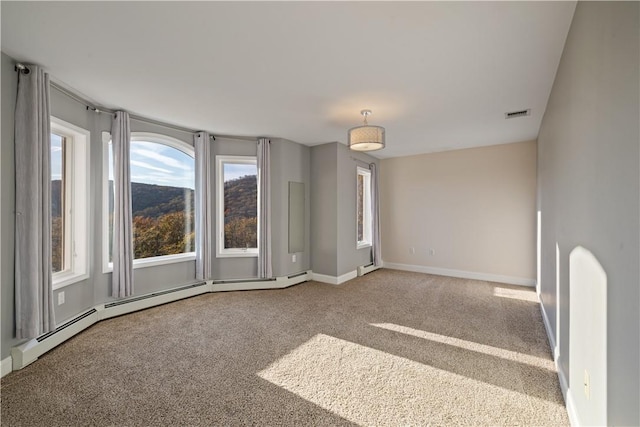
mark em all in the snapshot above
pixel 372 387
pixel 519 294
pixel 469 345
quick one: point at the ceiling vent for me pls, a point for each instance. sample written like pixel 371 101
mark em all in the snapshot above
pixel 514 114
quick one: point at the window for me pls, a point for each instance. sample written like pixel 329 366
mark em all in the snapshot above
pixel 69 203
pixel 364 208
pixel 162 200
pixel 237 205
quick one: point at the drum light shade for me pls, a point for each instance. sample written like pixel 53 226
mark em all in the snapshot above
pixel 366 137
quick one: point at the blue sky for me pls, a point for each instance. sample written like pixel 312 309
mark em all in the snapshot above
pixel 56 157
pixel 234 170
pixel 153 163
pixel 159 164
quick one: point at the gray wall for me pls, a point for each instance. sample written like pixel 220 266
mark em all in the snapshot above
pixel 290 162
pixel 589 193
pixel 324 216
pixel 333 203
pixel 349 256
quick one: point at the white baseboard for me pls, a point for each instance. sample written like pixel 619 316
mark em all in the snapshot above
pixel 7 366
pixel 547 327
pixel 571 411
pixel 510 280
pixel 564 385
pixel 333 280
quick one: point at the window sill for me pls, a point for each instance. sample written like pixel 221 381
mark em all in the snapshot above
pixel 155 261
pixel 65 279
pixel 363 245
pixel 238 254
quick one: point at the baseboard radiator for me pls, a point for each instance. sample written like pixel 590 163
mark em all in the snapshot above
pixel 364 269
pixel 129 305
pixel 29 352
pixel 257 284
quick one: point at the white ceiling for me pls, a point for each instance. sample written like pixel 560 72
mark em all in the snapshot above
pixel 437 75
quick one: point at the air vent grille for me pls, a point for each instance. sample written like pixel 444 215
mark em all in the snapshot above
pixel 514 114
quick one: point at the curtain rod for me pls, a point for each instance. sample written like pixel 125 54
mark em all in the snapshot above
pixel 90 107
pixel 22 67
pixel 361 161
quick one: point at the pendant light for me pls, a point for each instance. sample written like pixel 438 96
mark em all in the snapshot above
pixel 366 137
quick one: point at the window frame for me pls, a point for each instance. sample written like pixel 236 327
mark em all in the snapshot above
pixel 221 251
pixel 186 148
pixel 76 203
pixel 367 217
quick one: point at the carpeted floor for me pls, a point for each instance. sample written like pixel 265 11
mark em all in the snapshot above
pixel 390 348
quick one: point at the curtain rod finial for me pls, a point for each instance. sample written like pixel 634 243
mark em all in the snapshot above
pixel 21 68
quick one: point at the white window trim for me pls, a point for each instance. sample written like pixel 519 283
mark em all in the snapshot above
pixel 158 260
pixel 366 206
pixel 76 204
pixel 107 267
pixel 170 141
pixel 221 251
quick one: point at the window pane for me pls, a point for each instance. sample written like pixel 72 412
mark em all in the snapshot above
pixel 162 199
pixel 360 207
pixel 57 202
pixel 110 201
pixel 240 206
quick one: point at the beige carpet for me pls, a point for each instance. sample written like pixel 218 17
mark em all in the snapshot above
pixel 390 348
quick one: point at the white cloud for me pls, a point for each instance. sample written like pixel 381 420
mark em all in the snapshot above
pixel 161 158
pixel 148 166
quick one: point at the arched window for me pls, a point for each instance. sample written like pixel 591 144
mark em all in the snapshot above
pixel 162 199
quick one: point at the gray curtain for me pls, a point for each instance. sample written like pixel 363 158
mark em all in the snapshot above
pixel 203 206
pixel 122 277
pixel 375 217
pixel 33 284
pixel 264 209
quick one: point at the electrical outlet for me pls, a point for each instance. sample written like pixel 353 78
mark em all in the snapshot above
pixel 293 258
pixel 60 298
pixel 412 250
pixel 432 251
pixel 587 384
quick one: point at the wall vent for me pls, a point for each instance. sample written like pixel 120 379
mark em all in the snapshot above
pixel 514 114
